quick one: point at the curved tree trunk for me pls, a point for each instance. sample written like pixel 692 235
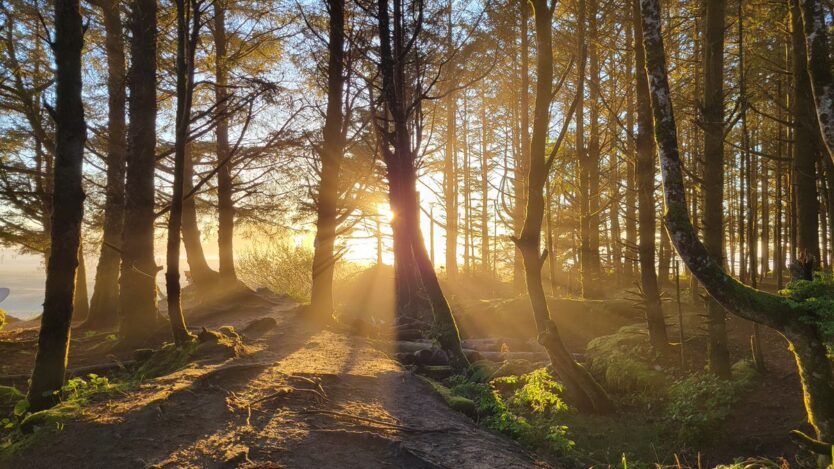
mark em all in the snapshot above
pixel 778 313
pixel 105 301
pixel 583 389
pixel 137 283
pixel 645 194
pixel 68 203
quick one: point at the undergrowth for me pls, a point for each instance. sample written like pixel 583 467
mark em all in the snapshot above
pixel 21 428
pixel 663 411
pixel 527 408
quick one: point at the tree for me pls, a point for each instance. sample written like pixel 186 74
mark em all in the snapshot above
pixel 400 160
pixel 226 208
pixel 586 392
pixel 714 127
pixel 645 169
pixel 68 203
pixel 105 300
pixel 792 320
pixel 138 271
pixel 331 155
pixel 806 147
pixel 188 33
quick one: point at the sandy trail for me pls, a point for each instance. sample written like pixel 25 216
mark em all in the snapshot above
pixel 303 398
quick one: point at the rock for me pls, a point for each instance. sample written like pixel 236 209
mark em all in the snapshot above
pixel 260 326
pixel 406 358
pixel 433 357
pixel 436 372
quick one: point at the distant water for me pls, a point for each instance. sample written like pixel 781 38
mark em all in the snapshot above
pixel 24 275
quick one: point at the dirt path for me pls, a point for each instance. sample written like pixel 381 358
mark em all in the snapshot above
pixel 302 398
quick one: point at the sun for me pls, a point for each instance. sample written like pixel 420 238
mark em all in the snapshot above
pixel 385 212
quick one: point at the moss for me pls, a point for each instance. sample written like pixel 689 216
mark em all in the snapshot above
pixel 168 359
pixel 623 361
pixel 459 403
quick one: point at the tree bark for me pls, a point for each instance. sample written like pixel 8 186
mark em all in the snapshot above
pixel 779 313
pixel 68 203
pixel 105 301
pixel 137 282
pixel 645 193
pixel 400 160
pixel 523 163
pixel 324 261
pixel 806 149
pixel 579 383
pixel 81 301
pixel 188 30
pixel 593 155
pixel 450 162
pixel 203 276
pixel 225 188
pixel 713 125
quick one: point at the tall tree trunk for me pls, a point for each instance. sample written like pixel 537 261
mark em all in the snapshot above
pixel 467 191
pixel 593 152
pixel 450 162
pixel 225 189
pixel 188 31
pixel 588 281
pixel 137 283
pixel 579 383
pixel 806 149
pixel 400 160
pixel 779 313
pixel 324 261
pixel 631 162
pixel 203 276
pixel 645 193
pixel 68 203
pixel 484 187
pixel 713 125
pixel 81 301
pixel 522 165
pixel 105 301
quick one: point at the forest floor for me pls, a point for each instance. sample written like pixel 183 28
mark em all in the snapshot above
pixel 299 397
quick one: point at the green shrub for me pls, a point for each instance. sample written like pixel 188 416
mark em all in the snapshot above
pixel 2 318
pixel 699 404
pixel 623 361
pixel 282 267
pixel 526 408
